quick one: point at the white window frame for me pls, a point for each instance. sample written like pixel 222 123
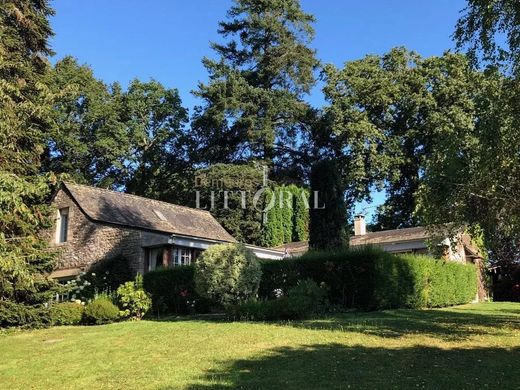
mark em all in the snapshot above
pixel 62 226
pixel 181 256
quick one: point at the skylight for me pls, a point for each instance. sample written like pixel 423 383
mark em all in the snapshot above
pixel 160 215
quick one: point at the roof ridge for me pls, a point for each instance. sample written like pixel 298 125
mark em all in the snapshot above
pixel 135 196
pixel 392 230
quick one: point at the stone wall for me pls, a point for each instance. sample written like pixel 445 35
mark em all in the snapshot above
pixel 89 242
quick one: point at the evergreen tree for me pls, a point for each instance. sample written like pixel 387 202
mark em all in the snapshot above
pixel 233 187
pixel 24 120
pixel 328 219
pixel 253 105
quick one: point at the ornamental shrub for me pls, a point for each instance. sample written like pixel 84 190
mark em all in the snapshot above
pixel 100 311
pixel 227 274
pixel 133 301
pixel 173 291
pixel 66 313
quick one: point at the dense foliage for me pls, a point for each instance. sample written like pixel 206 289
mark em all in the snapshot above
pixel 253 106
pixel 232 189
pixel 25 259
pixel 302 301
pixel 14 314
pixel 173 291
pixel 328 213
pixel 133 301
pixel 227 274
pixel 372 279
pixel 471 179
pixel 100 311
pixel 287 215
pixel 66 313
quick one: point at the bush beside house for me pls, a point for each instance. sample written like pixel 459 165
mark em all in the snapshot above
pixel 66 313
pixel 227 274
pixel 173 291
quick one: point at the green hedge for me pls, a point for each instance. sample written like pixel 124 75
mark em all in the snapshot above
pixel 366 278
pixel 173 291
pixel 371 279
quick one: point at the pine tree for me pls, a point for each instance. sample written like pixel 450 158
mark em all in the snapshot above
pixel 253 105
pixel 24 119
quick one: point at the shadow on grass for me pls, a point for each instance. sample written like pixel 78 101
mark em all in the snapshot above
pixel 334 366
pixel 445 325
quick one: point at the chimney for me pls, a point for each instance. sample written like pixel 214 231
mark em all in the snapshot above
pixel 360 226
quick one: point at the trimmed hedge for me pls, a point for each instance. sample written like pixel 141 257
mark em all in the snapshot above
pixel 366 278
pixel 371 279
pixel 173 291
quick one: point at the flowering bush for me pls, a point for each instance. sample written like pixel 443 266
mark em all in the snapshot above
pixel 87 286
pixel 133 301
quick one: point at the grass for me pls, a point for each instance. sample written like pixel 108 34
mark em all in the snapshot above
pixel 470 346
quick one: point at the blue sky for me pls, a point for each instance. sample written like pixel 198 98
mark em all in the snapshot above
pixel 166 39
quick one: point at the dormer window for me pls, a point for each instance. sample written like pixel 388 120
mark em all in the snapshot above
pixel 62 226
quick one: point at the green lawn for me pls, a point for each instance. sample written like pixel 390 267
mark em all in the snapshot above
pixel 471 346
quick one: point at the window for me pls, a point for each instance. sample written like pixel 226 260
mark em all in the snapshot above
pixel 62 227
pixel 182 256
pixel 155 258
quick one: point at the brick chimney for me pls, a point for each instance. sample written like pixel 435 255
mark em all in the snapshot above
pixel 360 226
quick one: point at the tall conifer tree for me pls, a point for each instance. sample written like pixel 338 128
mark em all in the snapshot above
pixel 253 106
pixel 24 119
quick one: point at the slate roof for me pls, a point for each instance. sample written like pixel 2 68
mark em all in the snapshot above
pixel 387 236
pixel 294 248
pixel 138 212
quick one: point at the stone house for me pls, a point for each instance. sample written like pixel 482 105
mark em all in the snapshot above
pixel 94 224
pixel 415 240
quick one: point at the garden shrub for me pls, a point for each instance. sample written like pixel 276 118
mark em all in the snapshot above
pixel 133 301
pixel 103 277
pixel 66 313
pixel 227 274
pixel 369 278
pixel 100 311
pixel 173 291
pixel 14 314
pixel 305 298
pixel 302 301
